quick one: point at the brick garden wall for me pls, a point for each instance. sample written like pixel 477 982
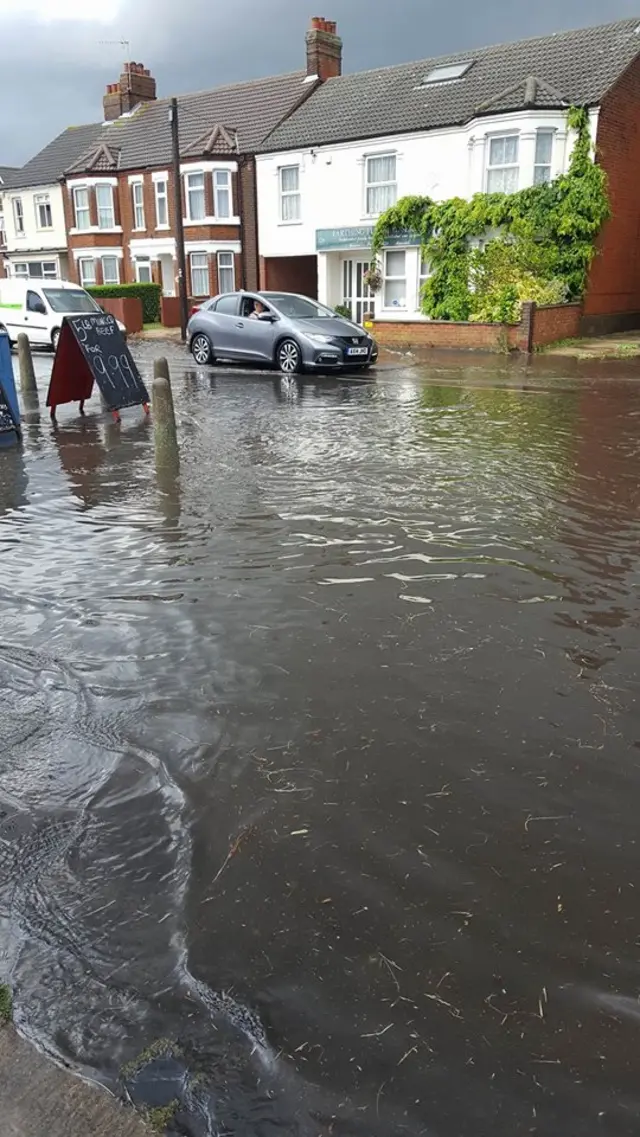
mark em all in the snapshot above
pixel 539 326
pixel 556 322
pixel 445 334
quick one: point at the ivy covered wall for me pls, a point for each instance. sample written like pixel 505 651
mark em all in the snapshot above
pixel 545 242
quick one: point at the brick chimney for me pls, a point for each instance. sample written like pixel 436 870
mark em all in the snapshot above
pixel 136 85
pixel 324 49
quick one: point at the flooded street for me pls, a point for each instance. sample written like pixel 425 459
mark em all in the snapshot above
pixel 320 765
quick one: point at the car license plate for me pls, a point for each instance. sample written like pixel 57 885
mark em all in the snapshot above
pixel 357 351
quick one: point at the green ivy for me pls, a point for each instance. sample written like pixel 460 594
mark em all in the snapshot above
pixel 548 234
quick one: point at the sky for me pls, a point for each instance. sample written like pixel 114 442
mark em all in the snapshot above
pixel 56 56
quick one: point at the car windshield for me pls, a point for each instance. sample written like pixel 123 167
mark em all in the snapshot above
pixel 70 300
pixel 297 307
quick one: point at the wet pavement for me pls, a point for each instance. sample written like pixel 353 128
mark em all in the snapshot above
pixel 320 761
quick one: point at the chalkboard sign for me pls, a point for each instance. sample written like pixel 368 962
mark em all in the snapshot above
pixel 9 408
pixel 92 347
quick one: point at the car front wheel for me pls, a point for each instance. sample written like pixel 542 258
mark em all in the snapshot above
pixel 201 349
pixel 289 357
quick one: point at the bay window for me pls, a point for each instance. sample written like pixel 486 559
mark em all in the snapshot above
pixel 226 272
pixel 110 270
pixel 106 211
pixel 87 271
pixel 503 171
pixel 395 279
pixel 222 193
pixel 81 207
pixel 199 274
pixel 195 198
pixel 18 216
pixel 544 154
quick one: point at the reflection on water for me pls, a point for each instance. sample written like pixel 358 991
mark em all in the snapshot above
pixel 319 754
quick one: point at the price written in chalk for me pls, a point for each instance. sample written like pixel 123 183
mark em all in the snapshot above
pixel 109 359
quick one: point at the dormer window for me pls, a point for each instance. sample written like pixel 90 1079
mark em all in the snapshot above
pixel 448 71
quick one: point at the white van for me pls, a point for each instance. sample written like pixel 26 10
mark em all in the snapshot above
pixel 37 308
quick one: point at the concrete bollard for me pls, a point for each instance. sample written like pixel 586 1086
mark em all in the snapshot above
pixel 28 384
pixel 164 421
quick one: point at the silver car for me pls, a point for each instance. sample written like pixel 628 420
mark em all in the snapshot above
pixel 278 329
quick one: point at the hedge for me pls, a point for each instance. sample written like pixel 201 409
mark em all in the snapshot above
pixel 149 294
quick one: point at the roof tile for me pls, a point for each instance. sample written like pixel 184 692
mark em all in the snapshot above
pixel 575 67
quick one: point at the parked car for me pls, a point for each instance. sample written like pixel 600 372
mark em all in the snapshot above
pixel 278 329
pixel 38 307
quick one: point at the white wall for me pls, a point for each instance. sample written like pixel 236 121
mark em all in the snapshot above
pixel 34 239
pixel 440 164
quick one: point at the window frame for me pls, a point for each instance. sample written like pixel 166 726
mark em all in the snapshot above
pixel 84 281
pixel 139 219
pixel 42 201
pixel 422 278
pixel 18 216
pixel 110 210
pixel 187 195
pixel 164 196
pixel 203 268
pixel 502 166
pixel 223 189
pixel 139 263
pixel 392 278
pixel 116 260
pixel 226 268
pixel 77 210
pixel 370 186
pixel 289 195
pixel 546 131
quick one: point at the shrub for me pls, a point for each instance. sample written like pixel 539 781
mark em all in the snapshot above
pixel 149 294
pixel 342 310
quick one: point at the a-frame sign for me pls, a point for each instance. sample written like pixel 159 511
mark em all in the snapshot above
pixel 92 348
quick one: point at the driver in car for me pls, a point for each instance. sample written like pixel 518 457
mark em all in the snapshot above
pixel 258 309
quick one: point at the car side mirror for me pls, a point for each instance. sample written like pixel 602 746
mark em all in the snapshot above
pixel 267 317
pixel 40 308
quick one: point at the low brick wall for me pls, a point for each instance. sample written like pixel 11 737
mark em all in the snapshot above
pixel 170 311
pixel 127 309
pixel 445 334
pixel 538 327
pixel 555 322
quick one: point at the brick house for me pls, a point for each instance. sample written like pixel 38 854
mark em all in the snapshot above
pixel 479 120
pixel 119 194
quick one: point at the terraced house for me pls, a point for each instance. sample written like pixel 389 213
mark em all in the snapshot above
pixel 119 193
pixel 33 210
pixel 493 119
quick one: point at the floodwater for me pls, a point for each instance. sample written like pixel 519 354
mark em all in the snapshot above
pixel 320 762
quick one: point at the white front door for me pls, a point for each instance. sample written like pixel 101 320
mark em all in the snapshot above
pixel 168 275
pixel 355 293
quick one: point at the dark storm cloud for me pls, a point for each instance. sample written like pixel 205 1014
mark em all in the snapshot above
pixel 54 75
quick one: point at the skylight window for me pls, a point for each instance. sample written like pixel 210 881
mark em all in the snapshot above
pixel 448 71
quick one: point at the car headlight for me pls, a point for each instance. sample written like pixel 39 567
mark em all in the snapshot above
pixel 318 338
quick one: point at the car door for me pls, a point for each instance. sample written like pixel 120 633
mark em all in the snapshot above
pixel 256 337
pixel 35 318
pixel 220 321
